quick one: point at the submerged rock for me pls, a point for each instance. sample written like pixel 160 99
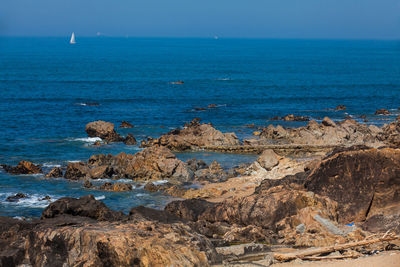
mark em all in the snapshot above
pixel 125 124
pixel 16 197
pixel 193 136
pixel 382 111
pixel 23 167
pixel 104 130
pixel 340 107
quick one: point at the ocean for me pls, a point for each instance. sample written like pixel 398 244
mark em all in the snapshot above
pixel 45 83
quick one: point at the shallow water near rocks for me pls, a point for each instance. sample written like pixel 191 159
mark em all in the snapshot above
pixel 45 83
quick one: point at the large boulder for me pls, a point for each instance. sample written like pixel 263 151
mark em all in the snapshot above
pixel 364 182
pixel 86 206
pixel 193 136
pixel 23 167
pixel 104 130
pixel 55 173
pixel 77 171
pixel 268 159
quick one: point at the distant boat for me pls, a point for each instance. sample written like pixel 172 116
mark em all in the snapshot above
pixel 72 41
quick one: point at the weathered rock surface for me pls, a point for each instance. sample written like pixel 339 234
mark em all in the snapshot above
pixel 193 136
pixel 363 182
pixel 268 159
pixel 83 236
pixel 56 172
pixel 23 167
pixel 391 133
pixel 104 130
pixel 348 132
pixel 116 187
pixel 150 164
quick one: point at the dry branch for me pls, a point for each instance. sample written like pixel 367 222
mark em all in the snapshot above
pixel 317 251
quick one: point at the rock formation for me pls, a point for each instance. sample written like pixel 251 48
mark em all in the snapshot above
pixel 125 124
pixel 193 136
pixel 55 173
pixel 84 232
pixel 23 167
pixel 348 132
pixel 154 163
pixel 104 130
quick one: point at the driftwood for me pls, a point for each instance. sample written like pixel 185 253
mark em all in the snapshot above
pixel 317 251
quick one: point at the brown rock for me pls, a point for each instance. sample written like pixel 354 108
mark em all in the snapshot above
pixel 77 171
pixel 100 172
pixel 16 197
pixel 193 136
pixel 341 107
pixel 363 182
pixel 382 111
pixel 130 140
pixel 23 167
pixel 328 122
pixel 125 124
pixel 268 159
pixel 104 130
pixel 116 187
pixel 55 173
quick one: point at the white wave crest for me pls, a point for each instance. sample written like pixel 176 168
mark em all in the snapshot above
pixel 160 182
pixel 31 201
pixel 100 197
pixel 85 139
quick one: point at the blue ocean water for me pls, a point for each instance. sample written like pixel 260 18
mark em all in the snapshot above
pixel 44 81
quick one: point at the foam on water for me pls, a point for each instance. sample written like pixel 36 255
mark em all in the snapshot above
pixel 85 139
pixel 160 182
pixel 100 197
pixel 31 201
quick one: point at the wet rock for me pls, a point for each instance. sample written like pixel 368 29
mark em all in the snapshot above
pixel 46 198
pixel 382 111
pixel 99 172
pixel 87 184
pixel 86 206
pixel 55 173
pixel 340 107
pixel 125 124
pixel 195 164
pixel 193 136
pixel 97 143
pixel 23 167
pixel 199 109
pixel 116 187
pixel 104 130
pixel 212 106
pixel 268 159
pixel 16 197
pixel 130 140
pixel 77 171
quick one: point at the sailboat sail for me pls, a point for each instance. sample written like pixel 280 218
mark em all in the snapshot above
pixel 72 41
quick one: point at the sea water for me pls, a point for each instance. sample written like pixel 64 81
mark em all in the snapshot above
pixel 45 84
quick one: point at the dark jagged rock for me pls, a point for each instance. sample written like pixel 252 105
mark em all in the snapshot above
pixel 16 197
pixel 125 124
pixel 87 184
pixel 104 130
pixel 195 164
pixel 86 206
pixel 189 209
pixel 130 140
pixel 363 182
pixel 56 172
pixel 290 117
pixel 23 167
pixel 154 215
pixel 193 136
pixel 77 171
pixel 382 111
pixel 214 173
pixel 391 133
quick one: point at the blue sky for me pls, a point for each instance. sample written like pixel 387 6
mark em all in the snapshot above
pixel 343 19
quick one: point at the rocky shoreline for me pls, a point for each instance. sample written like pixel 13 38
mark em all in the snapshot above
pixel 320 185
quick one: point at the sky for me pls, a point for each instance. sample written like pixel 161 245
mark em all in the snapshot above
pixel 320 19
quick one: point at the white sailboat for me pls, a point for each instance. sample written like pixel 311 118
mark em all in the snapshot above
pixel 72 41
